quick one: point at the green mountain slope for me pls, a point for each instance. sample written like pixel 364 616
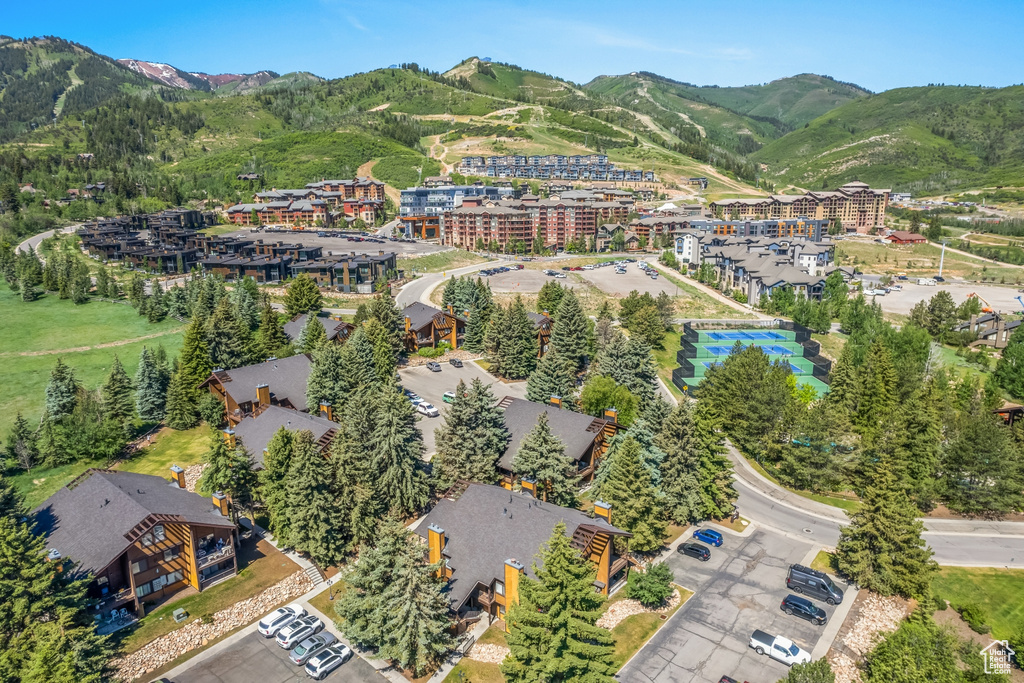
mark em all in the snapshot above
pixel 914 139
pixel 42 79
pixel 511 82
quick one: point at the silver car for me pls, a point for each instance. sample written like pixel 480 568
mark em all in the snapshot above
pixel 297 631
pixel 326 661
pixel 305 650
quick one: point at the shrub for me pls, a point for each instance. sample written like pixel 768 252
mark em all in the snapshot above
pixel 652 587
pixel 428 352
pixel 211 410
pixel 974 615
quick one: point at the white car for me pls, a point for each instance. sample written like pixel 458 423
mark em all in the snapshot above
pixel 560 275
pixel 311 646
pixel 278 619
pixel 427 409
pixel 326 661
pixel 298 630
pixel 589 266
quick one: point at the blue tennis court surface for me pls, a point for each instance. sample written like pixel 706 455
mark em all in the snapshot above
pixel 770 349
pixel 741 335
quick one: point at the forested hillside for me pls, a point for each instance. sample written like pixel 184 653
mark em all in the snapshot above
pixel 914 139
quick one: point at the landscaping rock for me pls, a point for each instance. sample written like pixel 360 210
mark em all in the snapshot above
pixel 488 653
pixel 197 634
pixel 192 474
pixel 878 616
pixel 844 668
pixel 622 609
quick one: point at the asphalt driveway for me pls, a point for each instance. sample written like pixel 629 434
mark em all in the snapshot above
pixel 430 386
pixel 259 659
pixel 737 591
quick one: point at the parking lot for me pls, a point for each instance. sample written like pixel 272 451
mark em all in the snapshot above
pixel 605 278
pixel 255 658
pixel 738 591
pixel 1002 298
pixel 430 386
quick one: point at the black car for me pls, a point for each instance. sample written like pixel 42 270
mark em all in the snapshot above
pixel 939 278
pixel 796 606
pixel 566 268
pixel 701 552
pixel 455 362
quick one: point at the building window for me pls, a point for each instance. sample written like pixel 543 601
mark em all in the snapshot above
pixel 158 532
pixel 139 566
pixel 147 540
pixel 143 590
pixel 499 588
pixel 175 577
pixel 172 553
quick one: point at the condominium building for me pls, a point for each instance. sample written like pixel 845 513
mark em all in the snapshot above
pixel 469 225
pixel 552 166
pixel 856 205
pixel 435 201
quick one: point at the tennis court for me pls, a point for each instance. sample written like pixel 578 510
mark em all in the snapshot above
pixel 746 335
pixel 770 349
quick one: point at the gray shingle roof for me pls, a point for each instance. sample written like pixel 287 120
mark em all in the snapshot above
pixel 256 432
pixel 488 524
pixel 577 431
pixel 285 376
pixel 334 328
pixel 419 314
pixel 88 522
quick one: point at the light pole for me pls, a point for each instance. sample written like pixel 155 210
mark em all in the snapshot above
pixel 942 258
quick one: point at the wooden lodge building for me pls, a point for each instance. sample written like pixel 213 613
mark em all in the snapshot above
pixel 138 537
pixel 487 537
pixel 248 390
pixel 426 326
pixel 542 323
pixel 255 432
pixel 585 437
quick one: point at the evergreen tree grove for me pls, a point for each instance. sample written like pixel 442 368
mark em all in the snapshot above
pixel 118 403
pixel 541 457
pixel 317 520
pixel 633 498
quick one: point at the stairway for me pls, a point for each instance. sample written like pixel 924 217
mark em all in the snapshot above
pixel 314 574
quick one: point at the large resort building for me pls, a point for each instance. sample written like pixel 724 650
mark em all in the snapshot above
pixel 856 205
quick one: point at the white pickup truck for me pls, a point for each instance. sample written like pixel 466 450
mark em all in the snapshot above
pixel 779 648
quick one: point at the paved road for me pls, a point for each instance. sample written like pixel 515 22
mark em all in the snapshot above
pixel 960 542
pixel 420 288
pixel 737 591
pixel 34 240
pixel 255 658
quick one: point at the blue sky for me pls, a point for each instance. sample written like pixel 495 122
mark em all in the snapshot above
pixel 878 45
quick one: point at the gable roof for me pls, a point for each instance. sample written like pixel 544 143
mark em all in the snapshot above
pixel 286 378
pixel 88 519
pixel 335 328
pixel 576 431
pixel 487 525
pixel 256 432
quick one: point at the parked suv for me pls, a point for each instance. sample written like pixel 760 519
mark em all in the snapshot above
pixel 805 609
pixel 701 552
pixel 813 583
pixel 326 661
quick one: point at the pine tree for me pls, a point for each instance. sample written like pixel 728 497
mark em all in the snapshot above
pixel 552 634
pixel 326 383
pixel 12 506
pixel 103 283
pixel 416 624
pixel 270 335
pixel 384 358
pixel 882 549
pixel 358 368
pixel 646 326
pixel 695 475
pixel 21 447
pixel 550 297
pixel 150 389
pixel 243 301
pixel 303 296
pixel 1009 372
pixel 227 337
pixel 814 672
pixel 194 360
pixel 555 376
pixel 651 456
pixel 604 329
pixel 633 498
pixel 471 439
pixel 317 523
pixel 231 471
pixel 984 465
pixel 361 609
pixel 571 330
pixel 182 409
pixel 541 457
pixel 877 391
pixel 118 403
pixel 383 308
pixel 656 412
pixel 515 349
pixel 397 447
pixel 312 336
pixel 630 363
pixel 27 290
pixel 156 306
pixel 353 460
pixel 476 331
pixel 61 391
pixel 273 480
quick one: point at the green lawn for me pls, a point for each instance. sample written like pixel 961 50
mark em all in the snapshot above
pixel 667 362
pixel 323 601
pixel 89 335
pixel 472 671
pixel 170 448
pixel 848 504
pixel 831 343
pixel 824 562
pixel 439 262
pixel 38 485
pixel 267 567
pixel 1000 592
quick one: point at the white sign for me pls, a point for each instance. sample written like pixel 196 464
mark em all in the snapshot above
pixel 997 656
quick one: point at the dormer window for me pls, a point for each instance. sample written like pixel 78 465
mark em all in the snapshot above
pixel 158 532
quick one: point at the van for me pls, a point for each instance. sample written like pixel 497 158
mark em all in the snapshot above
pixel 925 281
pixel 813 583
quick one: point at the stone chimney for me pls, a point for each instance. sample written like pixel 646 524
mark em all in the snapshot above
pixel 603 510
pixel 220 501
pixel 179 476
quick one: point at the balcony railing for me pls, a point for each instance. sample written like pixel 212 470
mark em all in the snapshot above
pixel 208 581
pixel 214 557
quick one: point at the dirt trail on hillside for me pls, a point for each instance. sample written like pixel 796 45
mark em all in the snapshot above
pixel 684 117
pixel 366 171
pixel 79 349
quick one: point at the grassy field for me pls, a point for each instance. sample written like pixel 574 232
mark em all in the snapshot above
pixel 667 362
pixel 169 448
pixel 85 337
pixel 831 343
pixel 921 260
pixel 266 567
pixel 439 262
pixel 824 562
pixel 1000 592
pixel 323 601
pixel 468 670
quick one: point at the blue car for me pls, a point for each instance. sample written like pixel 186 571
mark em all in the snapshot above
pixel 708 536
